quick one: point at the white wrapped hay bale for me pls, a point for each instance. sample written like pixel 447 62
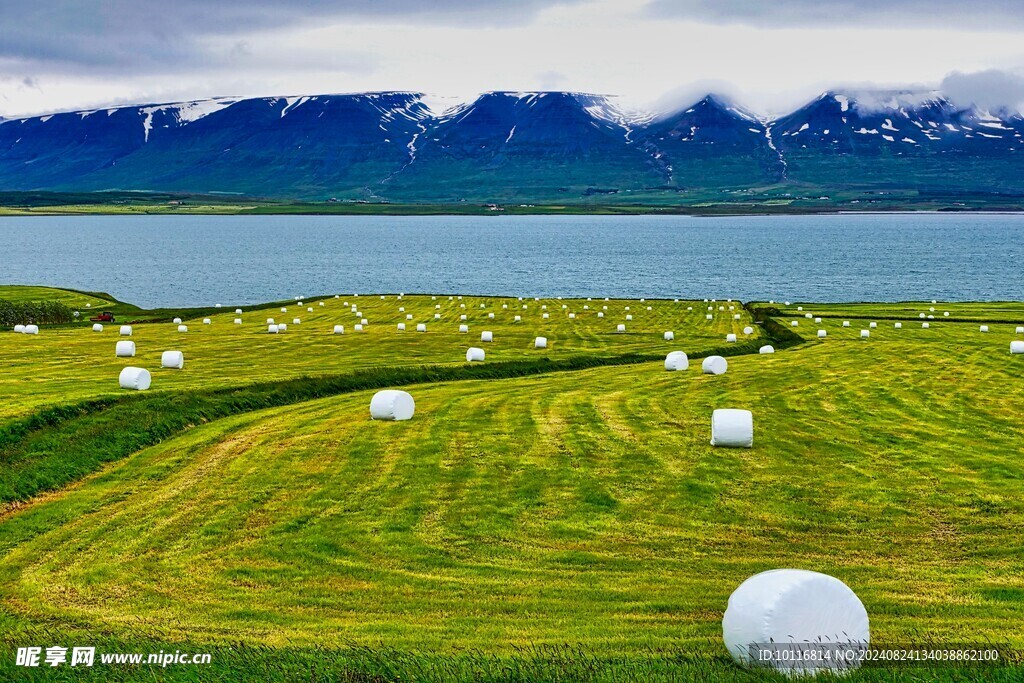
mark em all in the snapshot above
pixel 125 331
pixel 677 360
pixel 748 330
pixel 273 329
pixel 20 329
pixel 872 325
pixel 172 359
pixel 808 316
pixel 270 321
pixel 794 607
pixel 1019 330
pixel 134 378
pixel 207 321
pixel 732 428
pixel 629 317
pixel 358 327
pixel 545 316
pixel 865 333
pixel 540 343
pixel 401 327
pixel 392 404
pixel 462 317
pixel 600 314
pixel 1016 347
pixel 670 336
pixel 401 309
pixel 437 316
pixel 182 328
pixel 620 328
pixel 486 336
pixel 339 329
pixel 296 321
pixel 463 328
pixel 474 354
pixel 238 311
pixel 97 327
pixel 490 316
pixel 709 317
pixel 284 310
pixel 736 317
pixel 309 309
pixel 238 321
pixel 517 319
pixel 822 334
pixel 714 365
pixel 572 316
pixel 421 327
pixel 846 323
pixel 31 329
pixel 921 315
pixel 767 348
pixel 817 321
pixel 730 338
pixel 924 326
pixel 795 323
pixel 177 321
pixel 283 327
pixel 983 328
pixel 124 349
pixel 898 326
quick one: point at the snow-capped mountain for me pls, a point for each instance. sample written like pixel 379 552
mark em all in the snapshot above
pixel 505 145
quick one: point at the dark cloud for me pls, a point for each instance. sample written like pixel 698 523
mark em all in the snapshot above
pixel 993 89
pixel 143 36
pixel 897 14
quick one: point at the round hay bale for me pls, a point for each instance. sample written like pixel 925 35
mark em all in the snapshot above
pixel 1019 330
pixel 799 308
pixel 924 326
pixel 474 353
pixel 677 360
pixel 817 321
pixel 339 329
pixel 922 316
pixel 865 333
pixel 392 404
pixel 401 327
pixel 540 343
pixel 1016 347
pixel 767 348
pixel 572 316
pixel 282 326
pixel 437 316
pixel 182 328
pixel 872 325
pixel 20 329
pixel 207 321
pixel 138 379
pixel 846 323
pixel 714 365
pixel 898 326
pixel 358 327
pixel 545 316
pixel 238 321
pixel 629 317
pixel 822 334
pixel 600 314
pixel 364 321
pixel 620 328
pixel 709 317
pixel 177 321
pixel 732 428
pixel 401 309
pixel 96 327
pixel 736 317
pixel 795 607
pixel 983 328
pixel 517 319
pixel 172 359
pixel 296 321
pixel 490 316
pixel 125 331
pixel 945 313
pixel 124 349
pixel 462 317
pixel 730 338
pixel 795 323
pixel 238 311
pixel 284 310
pixel 463 328
pixel 272 328
pixel 486 336
pixel 748 330
pixel 270 321
pixel 421 327
pixel 31 329
pixel 670 336
pixel 309 309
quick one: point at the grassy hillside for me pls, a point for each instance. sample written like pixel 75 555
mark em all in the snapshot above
pixel 581 509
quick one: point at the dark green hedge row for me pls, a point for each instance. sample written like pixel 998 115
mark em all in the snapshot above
pixel 34 312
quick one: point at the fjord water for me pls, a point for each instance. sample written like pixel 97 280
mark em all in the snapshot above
pixel 197 260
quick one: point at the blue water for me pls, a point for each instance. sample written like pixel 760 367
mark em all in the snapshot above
pixel 193 260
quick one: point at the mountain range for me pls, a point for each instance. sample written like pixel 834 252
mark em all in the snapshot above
pixel 515 146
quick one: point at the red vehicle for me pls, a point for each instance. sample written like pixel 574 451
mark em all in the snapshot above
pixel 104 317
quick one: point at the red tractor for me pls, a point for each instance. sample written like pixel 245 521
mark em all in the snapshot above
pixel 104 317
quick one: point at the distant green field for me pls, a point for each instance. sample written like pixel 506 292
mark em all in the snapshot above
pixel 24 293
pixel 581 510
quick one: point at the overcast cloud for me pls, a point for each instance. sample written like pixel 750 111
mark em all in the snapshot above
pixel 67 54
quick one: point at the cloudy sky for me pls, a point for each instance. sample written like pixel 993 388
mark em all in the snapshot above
pixel 769 55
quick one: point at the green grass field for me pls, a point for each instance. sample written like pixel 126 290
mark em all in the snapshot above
pixel 571 525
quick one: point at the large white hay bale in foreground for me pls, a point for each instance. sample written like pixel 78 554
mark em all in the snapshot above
pixel 124 349
pixel 1017 347
pixel 540 343
pixel 730 338
pixel 474 353
pixel 670 336
pixel 983 328
pixel 620 328
pixel 486 336
pixel 125 331
pixel 339 329
pixel 134 378
pixel 392 404
pixel 732 428
pixel 421 327
pixel 463 328
pixel 96 327
pixel 177 321
pixel 182 328
pixel 805 610
pixel 767 348
pixel 273 329
pixel 31 329
pixel 714 365
pixel 677 360
pixel 822 334
pixel 172 359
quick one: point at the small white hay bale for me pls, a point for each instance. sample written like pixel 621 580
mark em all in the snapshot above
pixel 504 306
pixel 817 321
pixel 486 336
pixel 846 323
pixel 182 328
pixel 922 316
pixel 270 321
pixel 97 327
pixel 339 329
pixel 572 316
pixel 31 329
pixel 924 326
pixel 799 308
pixel 822 334
pixel 677 360
pixel 298 302
pixel 545 316
pixel 283 327
pixel 138 379
pixel 627 308
pixel 421 327
pixel 490 316
pixel 540 343
pixel 730 338
pixel 709 317
pixel 284 309
pixel 125 331
pixel 649 308
pixel 932 309
pixel 462 317
pixel 931 317
pixel 795 323
pixel 437 316
pixel 238 311
pixel 437 307
pixel 392 404
pixel 364 321
pixel 808 315
pixel 796 608
pixel 272 328
pixel 309 310
pixel 787 303
pixel 124 349
pixel 983 328
pixel 463 328
pixel 865 333
pixel 945 313
pixel 714 365
pixel 358 327
pixel 620 328
pixel 88 305
pixel 586 308
pixel 238 321
pixel 462 305
pixel 670 336
pixel 20 329
pixel 216 305
pixel 172 359
pixel 1017 347
pixel 543 308
pixel 207 321
pixel 401 327
pixel 872 325
pixel 748 330
pixel 629 317
pixel 401 309
pixel 689 308
pixel 176 321
pixel 600 314
pixel 474 353
pixel 408 316
pixel 517 318
pixel 296 321
pixel 732 428
pixel 767 348
pixel 1019 330
pixel 898 326
pixel 736 317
